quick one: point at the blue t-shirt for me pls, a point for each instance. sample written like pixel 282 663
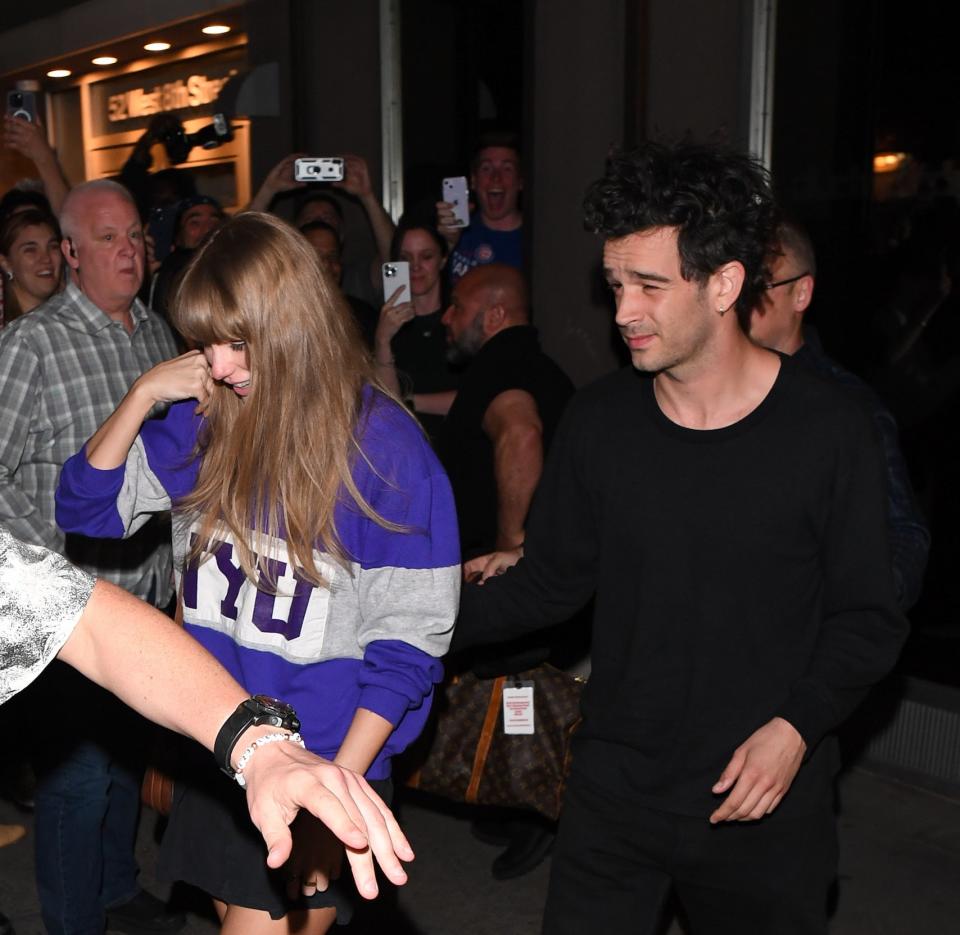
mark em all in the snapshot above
pixel 480 245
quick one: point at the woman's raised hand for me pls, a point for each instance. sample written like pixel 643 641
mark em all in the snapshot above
pixel 183 377
pixel 393 316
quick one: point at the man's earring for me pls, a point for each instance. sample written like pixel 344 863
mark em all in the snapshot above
pixel 9 274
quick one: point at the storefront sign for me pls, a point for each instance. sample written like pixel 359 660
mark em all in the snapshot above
pixel 196 91
pixel 188 88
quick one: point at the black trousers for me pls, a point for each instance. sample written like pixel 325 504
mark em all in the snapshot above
pixel 614 865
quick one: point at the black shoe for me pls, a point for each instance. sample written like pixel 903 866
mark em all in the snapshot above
pixel 144 913
pixel 6 926
pixel 531 843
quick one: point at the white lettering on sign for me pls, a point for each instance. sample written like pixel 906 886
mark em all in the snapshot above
pixel 196 91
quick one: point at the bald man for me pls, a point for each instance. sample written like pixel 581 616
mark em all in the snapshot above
pixel 492 444
pixel 494 437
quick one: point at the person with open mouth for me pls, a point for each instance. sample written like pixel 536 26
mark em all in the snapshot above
pixel 30 261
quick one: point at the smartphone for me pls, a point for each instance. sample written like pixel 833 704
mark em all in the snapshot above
pixel 161 228
pixel 456 193
pixel 319 169
pixel 22 104
pixel 394 275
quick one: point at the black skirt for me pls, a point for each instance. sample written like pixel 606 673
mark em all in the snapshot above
pixel 212 844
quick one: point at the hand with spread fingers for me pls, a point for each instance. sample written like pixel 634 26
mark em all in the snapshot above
pixel 284 778
pixel 160 670
pixel 760 772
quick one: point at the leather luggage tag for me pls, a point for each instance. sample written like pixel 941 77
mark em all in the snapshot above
pixel 518 708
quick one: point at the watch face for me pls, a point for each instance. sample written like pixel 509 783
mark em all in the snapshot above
pixel 273 704
pixel 273 708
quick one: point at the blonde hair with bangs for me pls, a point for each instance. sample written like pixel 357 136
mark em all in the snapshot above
pixel 276 463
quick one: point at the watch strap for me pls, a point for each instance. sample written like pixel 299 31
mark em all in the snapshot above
pixel 253 712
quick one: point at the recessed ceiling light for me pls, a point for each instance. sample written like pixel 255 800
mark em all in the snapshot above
pixel 59 73
pixel 104 60
pixel 215 30
pixel 157 46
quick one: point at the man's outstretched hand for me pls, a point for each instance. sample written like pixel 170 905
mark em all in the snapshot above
pixel 283 778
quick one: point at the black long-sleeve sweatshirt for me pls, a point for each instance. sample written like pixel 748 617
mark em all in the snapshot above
pixel 740 574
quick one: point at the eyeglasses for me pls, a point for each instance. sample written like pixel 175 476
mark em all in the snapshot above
pixel 785 282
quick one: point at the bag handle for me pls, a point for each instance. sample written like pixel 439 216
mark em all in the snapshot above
pixel 486 738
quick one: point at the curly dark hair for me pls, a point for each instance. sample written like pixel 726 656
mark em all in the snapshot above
pixel 719 200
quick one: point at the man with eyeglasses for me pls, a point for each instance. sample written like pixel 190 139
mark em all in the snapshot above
pixel 777 322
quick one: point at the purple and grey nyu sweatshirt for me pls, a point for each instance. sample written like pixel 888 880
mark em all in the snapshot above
pixel 371 639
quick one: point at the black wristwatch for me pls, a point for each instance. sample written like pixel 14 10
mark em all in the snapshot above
pixel 254 712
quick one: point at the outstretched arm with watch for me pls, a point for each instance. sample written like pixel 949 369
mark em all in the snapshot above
pixel 158 669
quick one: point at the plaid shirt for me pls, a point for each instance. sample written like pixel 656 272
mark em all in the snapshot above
pixel 63 369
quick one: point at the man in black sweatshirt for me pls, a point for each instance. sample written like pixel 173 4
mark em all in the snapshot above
pixel 726 507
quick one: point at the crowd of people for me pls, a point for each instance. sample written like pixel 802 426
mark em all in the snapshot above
pixel 211 413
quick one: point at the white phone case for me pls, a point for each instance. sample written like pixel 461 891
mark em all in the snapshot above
pixel 318 169
pixel 455 192
pixel 396 274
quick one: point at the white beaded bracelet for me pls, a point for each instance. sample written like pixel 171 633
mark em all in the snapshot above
pixel 259 742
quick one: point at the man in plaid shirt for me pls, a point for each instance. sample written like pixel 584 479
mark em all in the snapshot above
pixel 63 369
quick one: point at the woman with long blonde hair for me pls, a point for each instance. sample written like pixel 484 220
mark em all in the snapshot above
pixel 315 538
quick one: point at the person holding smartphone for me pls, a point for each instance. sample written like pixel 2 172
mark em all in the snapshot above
pixel 410 344
pixel 315 541
pixel 495 233
pixel 28 138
